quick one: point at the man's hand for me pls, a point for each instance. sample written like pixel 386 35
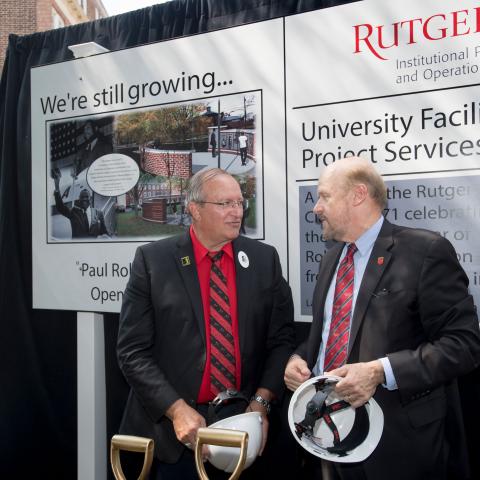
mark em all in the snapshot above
pixel 186 422
pixel 296 372
pixel 359 381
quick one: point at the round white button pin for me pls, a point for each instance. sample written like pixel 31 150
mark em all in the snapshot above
pixel 243 259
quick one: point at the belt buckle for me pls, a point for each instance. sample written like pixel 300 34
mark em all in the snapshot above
pixel 223 397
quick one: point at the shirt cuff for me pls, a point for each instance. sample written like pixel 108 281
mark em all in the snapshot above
pixel 390 382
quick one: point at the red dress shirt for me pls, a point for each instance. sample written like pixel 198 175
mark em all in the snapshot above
pixel 227 266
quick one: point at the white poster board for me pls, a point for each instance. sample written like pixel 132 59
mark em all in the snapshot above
pixel 412 108
pixel 397 83
pixel 151 112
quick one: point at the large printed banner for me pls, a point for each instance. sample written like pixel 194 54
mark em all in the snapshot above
pixel 115 138
pixel 396 83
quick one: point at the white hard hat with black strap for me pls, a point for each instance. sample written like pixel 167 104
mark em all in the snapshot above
pixel 329 427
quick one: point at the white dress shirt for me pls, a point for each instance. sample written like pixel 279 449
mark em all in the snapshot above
pixel 362 255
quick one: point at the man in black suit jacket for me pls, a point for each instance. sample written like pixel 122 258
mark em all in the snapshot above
pixel 163 337
pixel 413 328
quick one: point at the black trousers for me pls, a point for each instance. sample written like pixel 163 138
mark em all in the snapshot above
pixel 243 155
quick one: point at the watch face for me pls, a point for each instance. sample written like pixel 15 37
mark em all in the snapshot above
pixel 263 402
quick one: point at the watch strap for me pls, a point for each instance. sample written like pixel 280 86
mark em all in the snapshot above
pixel 265 403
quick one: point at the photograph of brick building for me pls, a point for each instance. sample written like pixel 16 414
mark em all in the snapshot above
pixel 172 143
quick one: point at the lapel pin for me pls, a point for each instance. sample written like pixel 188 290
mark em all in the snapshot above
pixel 243 259
pixel 185 261
pixel 380 260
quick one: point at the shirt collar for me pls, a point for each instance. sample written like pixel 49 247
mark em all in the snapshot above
pixel 200 251
pixel 365 242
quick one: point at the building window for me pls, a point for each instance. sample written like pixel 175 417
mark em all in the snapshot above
pixel 57 20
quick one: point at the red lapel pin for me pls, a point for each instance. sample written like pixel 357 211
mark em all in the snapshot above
pixel 380 260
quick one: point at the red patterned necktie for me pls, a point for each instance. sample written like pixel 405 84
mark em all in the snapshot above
pixel 337 344
pixel 222 350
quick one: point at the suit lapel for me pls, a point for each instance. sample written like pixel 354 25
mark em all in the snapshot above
pixel 377 264
pixel 243 276
pixel 185 261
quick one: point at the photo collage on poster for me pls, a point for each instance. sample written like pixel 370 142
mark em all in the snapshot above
pixel 123 176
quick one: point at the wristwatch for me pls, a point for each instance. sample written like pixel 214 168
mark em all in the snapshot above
pixel 265 403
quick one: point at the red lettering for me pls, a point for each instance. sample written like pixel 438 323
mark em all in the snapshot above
pixel 377 38
pixel 411 29
pixel 394 43
pixel 365 39
pixel 426 32
pixel 457 22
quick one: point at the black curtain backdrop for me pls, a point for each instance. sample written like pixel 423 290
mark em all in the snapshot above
pixel 38 374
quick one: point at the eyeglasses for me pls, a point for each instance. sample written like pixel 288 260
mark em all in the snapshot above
pixel 228 204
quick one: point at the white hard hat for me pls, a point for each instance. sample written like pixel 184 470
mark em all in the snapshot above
pixel 226 458
pixel 330 428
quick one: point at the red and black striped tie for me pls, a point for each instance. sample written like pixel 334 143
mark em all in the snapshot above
pixel 222 349
pixel 337 343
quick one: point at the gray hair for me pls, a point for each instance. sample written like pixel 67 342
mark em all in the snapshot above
pixel 357 170
pixel 372 179
pixel 194 191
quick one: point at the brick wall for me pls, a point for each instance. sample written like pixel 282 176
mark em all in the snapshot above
pixel 44 15
pixel 17 17
pixel 163 162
